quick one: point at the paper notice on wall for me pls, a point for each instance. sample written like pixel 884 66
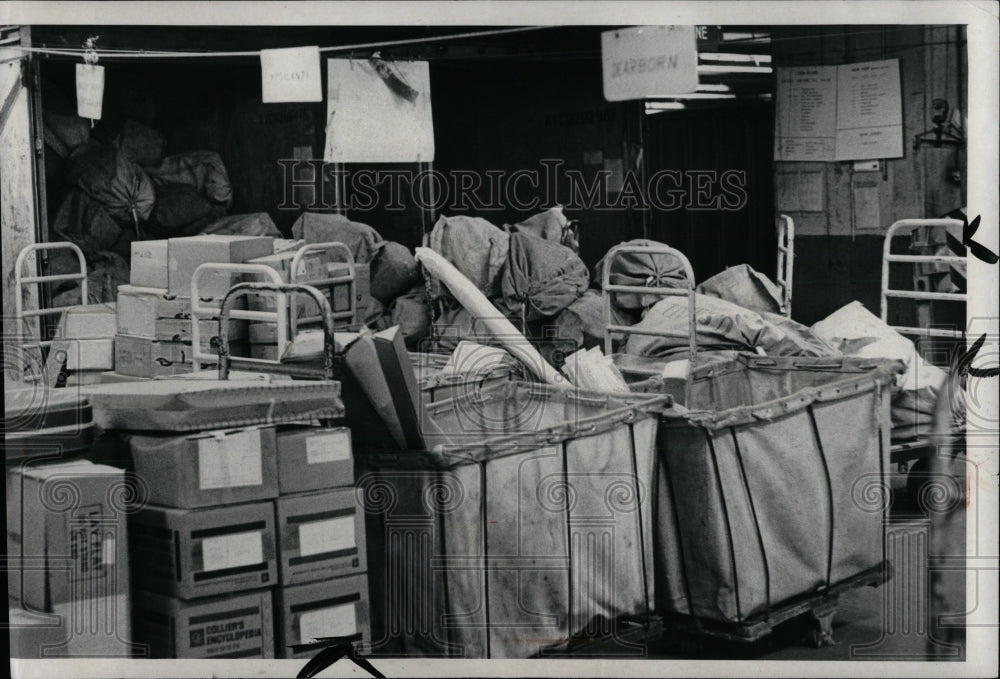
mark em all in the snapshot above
pixel 330 447
pixel 232 551
pixel 89 91
pixel 869 111
pixel 846 112
pixel 333 621
pixel 329 535
pixel 230 461
pixel 288 75
pixel 866 206
pixel 371 117
pixel 805 119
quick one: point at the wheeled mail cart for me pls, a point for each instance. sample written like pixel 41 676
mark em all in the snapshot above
pixel 770 491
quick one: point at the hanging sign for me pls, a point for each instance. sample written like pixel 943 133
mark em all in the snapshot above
pixel 288 75
pixel 89 91
pixel 378 112
pixel 647 61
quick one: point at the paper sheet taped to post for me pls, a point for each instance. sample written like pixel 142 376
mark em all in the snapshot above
pixel 367 122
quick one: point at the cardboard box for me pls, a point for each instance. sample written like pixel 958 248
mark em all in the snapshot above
pixel 90 321
pixel 60 634
pixel 314 458
pixel 234 626
pixel 191 553
pixel 68 533
pixel 140 308
pixel 187 254
pixel 143 357
pixel 150 263
pixel 320 535
pixel 207 468
pixel 329 608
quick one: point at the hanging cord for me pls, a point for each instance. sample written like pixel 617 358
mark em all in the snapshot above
pixel 167 54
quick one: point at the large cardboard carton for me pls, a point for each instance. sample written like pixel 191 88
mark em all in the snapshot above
pixel 89 321
pixel 207 468
pixel 320 535
pixel 140 308
pixel 144 357
pixel 329 608
pixel 68 534
pixel 150 263
pixel 314 458
pixel 98 627
pixel 233 626
pixel 191 553
pixel 187 254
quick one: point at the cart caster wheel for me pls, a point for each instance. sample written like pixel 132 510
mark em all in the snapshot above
pixel 820 632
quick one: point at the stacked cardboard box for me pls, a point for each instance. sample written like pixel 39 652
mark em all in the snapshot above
pixel 67 536
pixel 153 325
pixel 83 346
pixel 205 551
pixel 322 564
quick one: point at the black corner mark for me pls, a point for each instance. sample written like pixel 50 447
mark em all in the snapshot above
pixel 978 250
pixel 340 648
pixel 964 365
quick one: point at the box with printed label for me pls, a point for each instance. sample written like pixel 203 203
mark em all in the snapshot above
pixel 207 468
pixel 233 626
pixel 314 458
pixel 320 535
pixel 67 528
pixel 187 254
pixel 329 608
pixel 149 263
pixel 191 553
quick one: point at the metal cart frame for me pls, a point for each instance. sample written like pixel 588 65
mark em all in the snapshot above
pixel 607 288
pixel 20 280
pixel 786 262
pixel 282 291
pixel 922 448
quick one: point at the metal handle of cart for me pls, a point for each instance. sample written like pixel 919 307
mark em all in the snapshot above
pixel 20 280
pixel 203 308
pixel 282 291
pixel 327 282
pixel 895 293
pixel 786 262
pixel 607 288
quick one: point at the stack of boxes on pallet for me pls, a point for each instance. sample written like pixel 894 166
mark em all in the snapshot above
pixel 154 336
pixel 251 542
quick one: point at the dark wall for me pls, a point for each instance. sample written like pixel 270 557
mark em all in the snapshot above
pixel 492 111
pixel 719 140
